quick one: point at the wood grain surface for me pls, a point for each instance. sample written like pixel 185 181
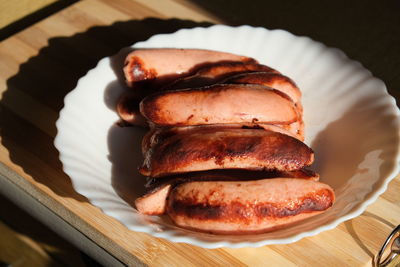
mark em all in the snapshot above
pixel 27 242
pixel 11 11
pixel 41 64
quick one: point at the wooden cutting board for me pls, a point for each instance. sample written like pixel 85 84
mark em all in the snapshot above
pixel 41 64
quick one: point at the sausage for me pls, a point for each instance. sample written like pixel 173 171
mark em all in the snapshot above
pixel 216 72
pixel 128 106
pixel 273 80
pixel 295 129
pixel 166 64
pixel 206 149
pixel 270 79
pixel 243 207
pixel 149 69
pixel 292 129
pixel 158 134
pixel 228 175
pixel 154 201
pixel 128 109
pixel 219 104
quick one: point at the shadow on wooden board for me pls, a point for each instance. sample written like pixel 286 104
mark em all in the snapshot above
pixel 49 76
pixel 32 18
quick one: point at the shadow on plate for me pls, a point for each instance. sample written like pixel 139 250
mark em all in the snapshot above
pixel 342 147
pixel 38 89
pixel 126 156
pixel 353 154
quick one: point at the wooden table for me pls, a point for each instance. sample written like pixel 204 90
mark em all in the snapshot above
pixel 41 64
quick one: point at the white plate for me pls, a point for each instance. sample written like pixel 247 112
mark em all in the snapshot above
pixel 352 124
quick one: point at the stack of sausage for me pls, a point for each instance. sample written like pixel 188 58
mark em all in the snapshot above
pixel 224 153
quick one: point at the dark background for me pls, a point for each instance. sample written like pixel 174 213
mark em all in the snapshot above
pixel 367 31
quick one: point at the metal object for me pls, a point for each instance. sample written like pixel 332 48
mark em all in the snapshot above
pixel 393 258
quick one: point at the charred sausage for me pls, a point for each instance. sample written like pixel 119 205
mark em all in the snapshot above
pixel 154 201
pixel 206 149
pixel 243 207
pixel 158 134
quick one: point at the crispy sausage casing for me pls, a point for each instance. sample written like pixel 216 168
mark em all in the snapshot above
pixel 247 206
pixel 219 104
pixel 208 148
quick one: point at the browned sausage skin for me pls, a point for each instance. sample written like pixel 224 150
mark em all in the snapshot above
pixel 220 103
pixel 247 206
pixel 214 73
pixel 205 149
pixel 166 64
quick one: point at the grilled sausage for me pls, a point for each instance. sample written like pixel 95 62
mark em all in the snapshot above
pixel 166 64
pixel 154 201
pixel 216 72
pixel 128 109
pixel 219 104
pixel 128 105
pixel 228 175
pixel 290 129
pixel 206 149
pixel 270 79
pixel 247 206
pixel 295 129
pixel 273 80
pixel 159 134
